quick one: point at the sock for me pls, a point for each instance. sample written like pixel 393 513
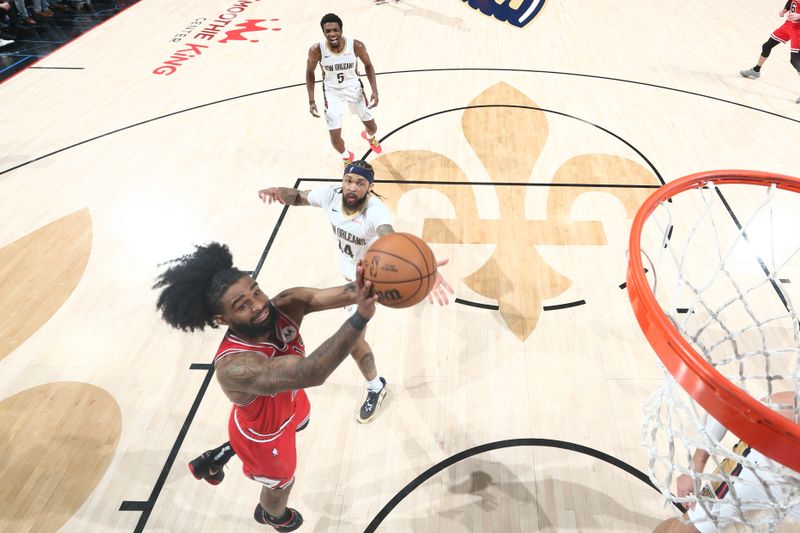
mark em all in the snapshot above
pixel 278 519
pixel 757 68
pixel 370 137
pixel 222 454
pixel 375 385
pixel 345 154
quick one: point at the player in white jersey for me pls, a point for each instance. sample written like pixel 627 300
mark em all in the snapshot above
pixel 747 485
pixel 358 217
pixel 338 57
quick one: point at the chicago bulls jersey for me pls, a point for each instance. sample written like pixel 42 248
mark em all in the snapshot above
pixel 354 234
pixel 339 70
pixel 263 418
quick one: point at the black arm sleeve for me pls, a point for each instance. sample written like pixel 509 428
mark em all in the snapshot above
pixel 788 5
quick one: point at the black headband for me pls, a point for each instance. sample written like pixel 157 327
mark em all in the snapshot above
pixel 365 173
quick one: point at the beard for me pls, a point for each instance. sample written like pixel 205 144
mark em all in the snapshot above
pixel 356 205
pixel 250 331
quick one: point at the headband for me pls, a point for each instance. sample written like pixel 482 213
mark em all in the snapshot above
pixel 365 173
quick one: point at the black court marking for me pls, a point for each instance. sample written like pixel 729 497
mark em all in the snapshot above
pixel 567 305
pixel 201 366
pixel 410 71
pixel 497 445
pixel 669 235
pixel 761 263
pixel 476 304
pixel 146 507
pixel 56 68
pixel 785 280
pixel 504 183
pixel 682 310
pixel 531 108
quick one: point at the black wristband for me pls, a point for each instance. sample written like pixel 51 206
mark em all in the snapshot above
pixel 357 321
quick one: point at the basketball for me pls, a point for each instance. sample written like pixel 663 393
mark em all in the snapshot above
pixel 402 269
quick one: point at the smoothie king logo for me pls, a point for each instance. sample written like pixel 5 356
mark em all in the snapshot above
pixel 516 12
pixel 202 35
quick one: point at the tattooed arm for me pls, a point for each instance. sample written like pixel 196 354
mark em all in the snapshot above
pixel 244 374
pixel 249 373
pixel 284 195
pixel 300 301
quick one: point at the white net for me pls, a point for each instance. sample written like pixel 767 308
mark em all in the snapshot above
pixel 724 265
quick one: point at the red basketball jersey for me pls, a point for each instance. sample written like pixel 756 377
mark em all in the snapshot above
pixel 263 418
pixel 794 7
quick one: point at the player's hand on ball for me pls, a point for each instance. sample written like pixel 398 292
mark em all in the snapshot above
pixel 270 195
pixel 365 297
pixel 440 286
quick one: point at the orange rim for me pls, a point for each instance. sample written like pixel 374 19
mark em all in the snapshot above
pixel 764 429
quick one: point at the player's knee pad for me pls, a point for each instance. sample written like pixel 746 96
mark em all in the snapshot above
pixel 795 59
pixel 767 47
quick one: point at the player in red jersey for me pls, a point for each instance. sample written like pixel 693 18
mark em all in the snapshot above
pixel 261 363
pixel 788 32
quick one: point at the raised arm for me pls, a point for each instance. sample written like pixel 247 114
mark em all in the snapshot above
pixel 249 373
pixel 300 301
pixel 361 53
pixel 314 57
pixel 284 195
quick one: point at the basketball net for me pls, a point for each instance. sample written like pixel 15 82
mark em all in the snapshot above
pixel 713 274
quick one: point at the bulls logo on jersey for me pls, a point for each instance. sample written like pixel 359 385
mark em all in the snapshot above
pixel 516 12
pixel 288 333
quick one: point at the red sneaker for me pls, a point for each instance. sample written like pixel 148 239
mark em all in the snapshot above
pixel 349 159
pixel 374 145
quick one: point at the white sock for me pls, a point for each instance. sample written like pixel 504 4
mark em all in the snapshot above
pixel 345 154
pixel 375 385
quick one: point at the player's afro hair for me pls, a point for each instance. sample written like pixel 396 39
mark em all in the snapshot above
pixel 193 285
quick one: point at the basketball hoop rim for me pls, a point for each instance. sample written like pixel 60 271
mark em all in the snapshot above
pixel 762 428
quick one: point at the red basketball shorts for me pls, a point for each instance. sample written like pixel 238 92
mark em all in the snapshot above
pixel 789 32
pixel 270 459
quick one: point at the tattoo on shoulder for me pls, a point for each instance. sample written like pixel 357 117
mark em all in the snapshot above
pixel 384 229
pixel 242 369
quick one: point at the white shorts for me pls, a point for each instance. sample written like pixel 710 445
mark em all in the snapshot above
pixel 335 100
pixel 747 488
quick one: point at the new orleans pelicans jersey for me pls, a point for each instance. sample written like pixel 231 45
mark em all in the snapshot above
pixel 263 418
pixel 353 234
pixel 339 70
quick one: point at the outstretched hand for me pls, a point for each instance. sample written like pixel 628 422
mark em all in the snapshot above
pixel 365 297
pixel 439 287
pixel 685 487
pixel 270 195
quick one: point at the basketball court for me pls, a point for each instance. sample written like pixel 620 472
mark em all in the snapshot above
pixel 520 152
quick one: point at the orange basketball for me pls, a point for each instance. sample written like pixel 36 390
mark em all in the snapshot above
pixel 402 269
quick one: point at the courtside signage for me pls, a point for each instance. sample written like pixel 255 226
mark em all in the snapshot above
pixel 203 35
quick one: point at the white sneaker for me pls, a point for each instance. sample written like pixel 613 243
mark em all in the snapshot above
pixel 750 73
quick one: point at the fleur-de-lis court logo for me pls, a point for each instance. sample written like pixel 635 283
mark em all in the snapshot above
pixel 508 133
